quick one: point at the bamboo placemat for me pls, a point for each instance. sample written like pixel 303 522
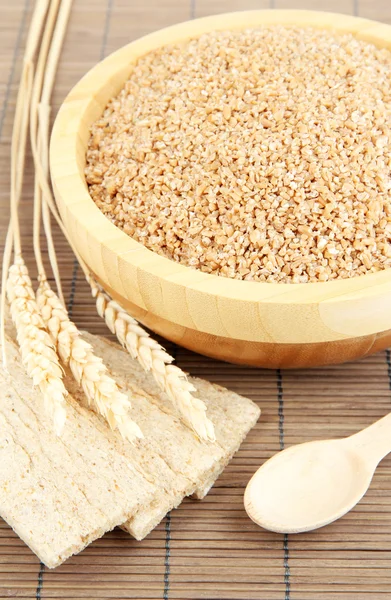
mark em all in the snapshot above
pixel 209 549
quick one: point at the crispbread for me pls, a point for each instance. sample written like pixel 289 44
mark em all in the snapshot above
pixel 150 455
pixel 59 494
pixel 199 461
pixel 233 416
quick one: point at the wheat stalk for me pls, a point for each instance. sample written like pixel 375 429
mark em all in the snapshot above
pixel 18 152
pixel 154 358
pixel 88 370
pixel 37 351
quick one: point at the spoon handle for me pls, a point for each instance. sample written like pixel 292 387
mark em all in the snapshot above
pixel 373 442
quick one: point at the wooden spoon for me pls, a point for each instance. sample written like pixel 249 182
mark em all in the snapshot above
pixel 310 485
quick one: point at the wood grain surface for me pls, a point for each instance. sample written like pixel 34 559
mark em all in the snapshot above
pixel 209 550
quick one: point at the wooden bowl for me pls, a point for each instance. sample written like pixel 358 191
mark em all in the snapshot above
pixel 265 324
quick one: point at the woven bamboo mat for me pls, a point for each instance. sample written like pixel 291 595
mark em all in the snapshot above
pixel 210 549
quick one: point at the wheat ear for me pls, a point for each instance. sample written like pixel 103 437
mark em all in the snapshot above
pixel 154 358
pixel 89 371
pixel 37 351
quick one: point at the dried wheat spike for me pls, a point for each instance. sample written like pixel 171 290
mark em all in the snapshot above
pixel 154 358
pixel 37 350
pixel 88 370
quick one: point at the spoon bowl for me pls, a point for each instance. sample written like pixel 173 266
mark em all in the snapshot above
pixel 310 485
pixel 307 486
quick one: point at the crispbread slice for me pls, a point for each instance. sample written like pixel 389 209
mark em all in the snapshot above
pixel 199 461
pixel 150 455
pixel 59 494
pixel 233 416
pixel 85 486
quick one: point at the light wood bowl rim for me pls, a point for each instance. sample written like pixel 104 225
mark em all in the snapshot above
pixel 74 201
